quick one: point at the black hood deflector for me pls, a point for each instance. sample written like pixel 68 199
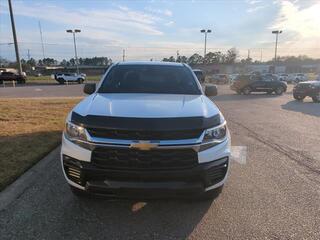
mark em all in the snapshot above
pixel 145 124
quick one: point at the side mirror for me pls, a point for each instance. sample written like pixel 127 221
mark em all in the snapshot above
pixel 89 88
pixel 211 91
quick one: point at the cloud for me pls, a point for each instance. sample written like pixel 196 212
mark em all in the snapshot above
pixel 253 2
pixel 165 12
pixel 254 9
pixel 116 19
pixel 300 25
pixel 170 23
pixel 304 22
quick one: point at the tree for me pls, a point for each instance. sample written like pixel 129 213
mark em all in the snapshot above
pixel 170 59
pixel 182 59
pixel 231 56
pixel 195 59
pixel 32 62
pixel 64 63
pixel 214 57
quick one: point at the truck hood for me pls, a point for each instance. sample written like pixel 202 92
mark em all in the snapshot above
pixel 147 106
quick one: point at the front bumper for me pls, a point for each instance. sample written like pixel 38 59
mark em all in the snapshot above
pixel 210 173
pixel 305 92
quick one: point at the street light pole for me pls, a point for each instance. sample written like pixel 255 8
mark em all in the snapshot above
pixel 277 32
pixel 75 45
pixel 205 40
pixel 15 38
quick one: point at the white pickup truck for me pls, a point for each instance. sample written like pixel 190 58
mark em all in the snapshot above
pixel 147 129
pixel 63 78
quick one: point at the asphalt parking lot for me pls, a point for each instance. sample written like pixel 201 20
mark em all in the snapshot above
pixel 275 194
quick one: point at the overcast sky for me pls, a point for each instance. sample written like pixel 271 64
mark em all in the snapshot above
pixel 156 29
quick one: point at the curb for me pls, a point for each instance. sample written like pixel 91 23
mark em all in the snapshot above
pixel 18 187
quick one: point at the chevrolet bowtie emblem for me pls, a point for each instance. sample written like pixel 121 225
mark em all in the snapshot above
pixel 143 145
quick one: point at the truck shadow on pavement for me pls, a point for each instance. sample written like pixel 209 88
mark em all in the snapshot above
pixel 129 219
pixel 305 107
pixel 49 210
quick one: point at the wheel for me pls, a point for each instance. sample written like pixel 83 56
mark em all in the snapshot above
pixel 279 90
pixel 60 80
pixel 21 81
pixel 211 194
pixel 316 98
pixel 80 80
pixel 298 97
pixel 246 91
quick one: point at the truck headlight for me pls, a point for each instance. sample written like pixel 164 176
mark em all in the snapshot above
pixel 75 132
pixel 214 136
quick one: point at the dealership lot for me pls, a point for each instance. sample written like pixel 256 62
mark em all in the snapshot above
pixel 274 195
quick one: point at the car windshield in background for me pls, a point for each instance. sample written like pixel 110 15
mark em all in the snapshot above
pixel 150 79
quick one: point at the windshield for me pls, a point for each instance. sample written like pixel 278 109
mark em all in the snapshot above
pixel 150 79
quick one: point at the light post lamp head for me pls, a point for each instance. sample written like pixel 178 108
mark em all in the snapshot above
pixel 208 31
pixel 202 30
pixel 77 30
pixel 69 31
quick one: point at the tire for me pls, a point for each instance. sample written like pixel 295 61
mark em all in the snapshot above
pixel 21 81
pixel 298 97
pixel 60 80
pixel 211 194
pixel 246 90
pixel 80 80
pixel 279 90
pixel 316 99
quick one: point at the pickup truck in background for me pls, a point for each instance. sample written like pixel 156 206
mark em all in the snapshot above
pixel 11 76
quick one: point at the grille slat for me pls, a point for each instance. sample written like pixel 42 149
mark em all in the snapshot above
pixel 144 135
pixel 113 158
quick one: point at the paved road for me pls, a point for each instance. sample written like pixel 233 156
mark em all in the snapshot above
pixel 275 195
pixel 50 90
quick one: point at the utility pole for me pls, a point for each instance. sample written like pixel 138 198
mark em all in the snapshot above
pixel 123 55
pixel 41 40
pixel 15 38
pixel 277 32
pixel 75 46
pixel 205 40
pixel 261 55
pixel 248 54
pixel 28 54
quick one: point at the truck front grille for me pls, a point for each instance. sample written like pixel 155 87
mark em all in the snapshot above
pixel 157 159
pixel 144 135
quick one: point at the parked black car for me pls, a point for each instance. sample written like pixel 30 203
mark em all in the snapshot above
pixel 10 76
pixel 307 89
pixel 245 84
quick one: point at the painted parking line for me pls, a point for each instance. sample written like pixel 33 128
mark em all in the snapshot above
pixel 239 154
